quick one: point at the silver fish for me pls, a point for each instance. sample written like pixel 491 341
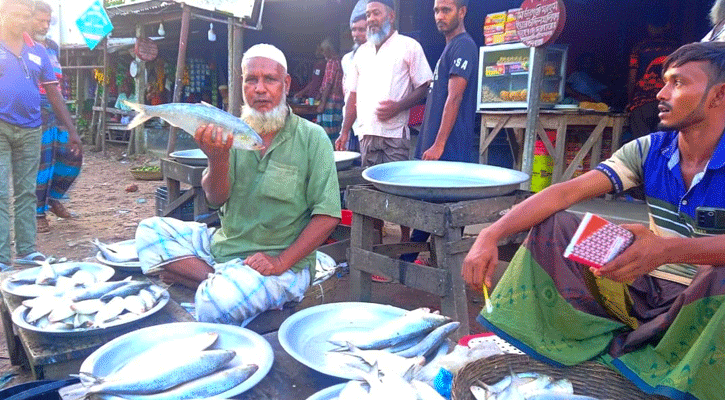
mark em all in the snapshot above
pixel 134 304
pixel 432 341
pixel 118 253
pixel 413 323
pixel 385 362
pixel 559 396
pixel 189 117
pixel 97 290
pixel 164 374
pixel 87 307
pixel 109 311
pixel 168 349
pixel 61 311
pixel 48 274
pixel 125 290
pixel 205 387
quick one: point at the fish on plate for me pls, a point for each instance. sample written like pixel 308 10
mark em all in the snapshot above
pixel 411 324
pixel 189 117
pixel 117 252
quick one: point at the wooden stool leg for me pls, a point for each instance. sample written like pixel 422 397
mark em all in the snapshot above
pixel 455 303
pixel 362 236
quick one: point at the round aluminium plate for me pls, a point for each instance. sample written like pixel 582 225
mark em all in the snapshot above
pixel 101 272
pixel 330 393
pixel 191 157
pixel 251 348
pixel 344 159
pixel 305 333
pixel 441 181
pixel 20 313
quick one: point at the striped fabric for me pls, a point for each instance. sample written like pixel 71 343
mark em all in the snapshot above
pixel 235 293
pixel 58 167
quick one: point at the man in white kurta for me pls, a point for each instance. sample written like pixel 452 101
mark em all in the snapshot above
pixel 390 74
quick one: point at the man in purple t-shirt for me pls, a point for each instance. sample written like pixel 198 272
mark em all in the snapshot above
pixel 24 65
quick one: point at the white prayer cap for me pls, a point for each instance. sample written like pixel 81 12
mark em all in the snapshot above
pixel 266 51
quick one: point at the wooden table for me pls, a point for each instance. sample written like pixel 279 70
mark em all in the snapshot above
pixel 305 111
pixel 54 357
pixel 176 173
pixel 493 121
pixel 448 248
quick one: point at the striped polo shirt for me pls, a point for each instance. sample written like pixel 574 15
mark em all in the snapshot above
pixel 654 161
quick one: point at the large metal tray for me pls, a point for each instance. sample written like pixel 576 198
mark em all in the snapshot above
pixel 329 393
pixel 344 159
pixel 251 348
pixel 442 181
pixel 190 157
pixel 100 271
pixel 19 314
pixel 305 333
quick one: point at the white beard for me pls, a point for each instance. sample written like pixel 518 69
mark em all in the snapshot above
pixel 717 12
pixel 379 37
pixel 265 123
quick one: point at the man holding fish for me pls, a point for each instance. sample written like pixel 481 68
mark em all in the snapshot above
pixel 276 206
pixel 664 336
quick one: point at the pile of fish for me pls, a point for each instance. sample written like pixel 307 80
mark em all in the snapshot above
pixel 178 369
pixel 527 386
pixel 388 358
pixel 124 252
pixel 56 278
pixel 91 306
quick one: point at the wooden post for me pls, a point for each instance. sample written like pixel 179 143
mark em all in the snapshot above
pixel 532 122
pixel 134 142
pixel 235 70
pixel 180 65
pixel 104 97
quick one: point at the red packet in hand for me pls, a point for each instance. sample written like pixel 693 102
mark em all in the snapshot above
pixel 597 241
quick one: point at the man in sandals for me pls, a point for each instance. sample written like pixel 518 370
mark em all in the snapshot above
pixel 24 66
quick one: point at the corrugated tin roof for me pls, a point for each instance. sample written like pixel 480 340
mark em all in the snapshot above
pixel 140 7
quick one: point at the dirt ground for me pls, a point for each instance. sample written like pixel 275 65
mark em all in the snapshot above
pixel 103 207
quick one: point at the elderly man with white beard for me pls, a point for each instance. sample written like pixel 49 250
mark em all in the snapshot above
pixel 276 207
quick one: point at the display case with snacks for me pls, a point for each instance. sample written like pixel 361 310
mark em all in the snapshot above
pixel 504 78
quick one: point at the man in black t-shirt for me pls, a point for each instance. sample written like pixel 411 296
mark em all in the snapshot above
pixel 447 132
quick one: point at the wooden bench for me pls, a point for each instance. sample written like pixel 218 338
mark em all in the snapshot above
pixel 116 132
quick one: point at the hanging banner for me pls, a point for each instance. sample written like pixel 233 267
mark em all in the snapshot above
pixel 94 24
pixel 540 22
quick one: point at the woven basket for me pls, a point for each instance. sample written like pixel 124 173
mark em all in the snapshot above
pixel 588 378
pixel 147 175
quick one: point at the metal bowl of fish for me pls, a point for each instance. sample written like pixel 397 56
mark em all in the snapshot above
pixel 179 360
pixel 344 159
pixel 441 181
pixel 121 255
pixel 53 279
pixel 76 313
pixel 346 339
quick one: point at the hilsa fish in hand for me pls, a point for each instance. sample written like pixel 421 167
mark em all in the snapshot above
pixel 189 117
